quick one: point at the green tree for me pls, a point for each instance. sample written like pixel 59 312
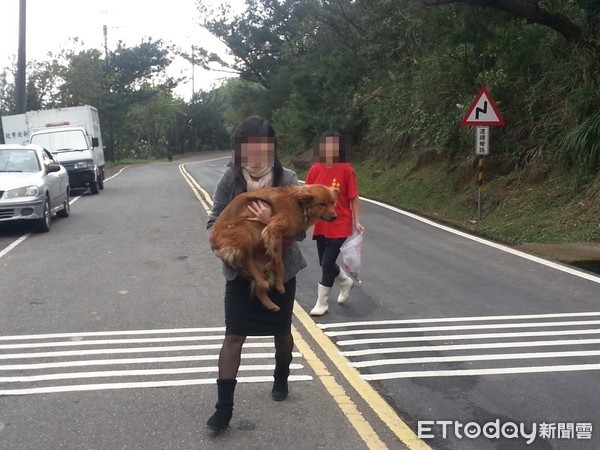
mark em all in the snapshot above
pixel 131 76
pixel 149 125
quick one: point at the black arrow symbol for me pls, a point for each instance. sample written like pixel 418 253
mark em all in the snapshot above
pixel 480 110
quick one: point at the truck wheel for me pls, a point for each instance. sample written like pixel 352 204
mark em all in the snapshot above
pixel 66 208
pixel 94 187
pixel 43 225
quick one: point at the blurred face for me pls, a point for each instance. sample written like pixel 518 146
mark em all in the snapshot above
pixel 329 149
pixel 257 152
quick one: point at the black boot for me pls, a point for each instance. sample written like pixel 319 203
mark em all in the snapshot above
pixel 280 379
pixel 220 419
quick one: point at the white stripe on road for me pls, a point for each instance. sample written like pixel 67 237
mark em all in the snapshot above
pixel 114 362
pixel 134 373
pixel 104 351
pixel 463 327
pixel 14 244
pixel 218 337
pixel 111 333
pixel 506 338
pixel 458 358
pixel 452 337
pixel 471 372
pixel 117 174
pixel 25 236
pixel 443 348
pixel 544 262
pixel 146 384
pixel 456 319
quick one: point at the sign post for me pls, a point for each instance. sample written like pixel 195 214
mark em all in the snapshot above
pixel 482 148
pixel 482 113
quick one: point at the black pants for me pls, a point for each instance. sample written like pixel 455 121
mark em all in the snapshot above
pixel 328 250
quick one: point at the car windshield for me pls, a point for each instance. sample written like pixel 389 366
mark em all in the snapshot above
pixel 63 141
pixel 18 160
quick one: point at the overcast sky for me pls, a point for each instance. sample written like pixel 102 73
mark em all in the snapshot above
pixel 51 24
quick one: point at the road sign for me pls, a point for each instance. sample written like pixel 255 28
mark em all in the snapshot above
pixel 483 111
pixel 482 141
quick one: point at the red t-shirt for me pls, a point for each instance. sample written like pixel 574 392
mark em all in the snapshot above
pixel 341 176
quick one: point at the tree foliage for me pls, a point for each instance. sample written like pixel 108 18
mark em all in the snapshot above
pixel 400 73
pixel 393 74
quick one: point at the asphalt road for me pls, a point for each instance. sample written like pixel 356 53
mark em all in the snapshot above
pixel 444 327
pixel 110 329
pixel 448 327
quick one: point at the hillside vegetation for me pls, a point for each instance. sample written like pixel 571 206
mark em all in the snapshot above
pixel 551 213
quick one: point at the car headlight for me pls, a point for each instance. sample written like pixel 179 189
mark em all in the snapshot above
pixel 27 191
pixel 88 164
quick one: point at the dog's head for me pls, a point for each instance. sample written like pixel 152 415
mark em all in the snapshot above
pixel 319 202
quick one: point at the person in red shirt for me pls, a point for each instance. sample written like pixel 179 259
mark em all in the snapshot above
pixel 331 169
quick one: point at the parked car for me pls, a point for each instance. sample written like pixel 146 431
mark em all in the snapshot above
pixel 33 185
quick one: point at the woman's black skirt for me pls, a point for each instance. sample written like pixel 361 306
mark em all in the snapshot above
pixel 246 316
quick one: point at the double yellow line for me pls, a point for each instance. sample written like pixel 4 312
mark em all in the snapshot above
pixel 376 402
pixel 202 196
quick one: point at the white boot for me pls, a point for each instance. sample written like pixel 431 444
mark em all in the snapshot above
pixel 346 284
pixel 321 307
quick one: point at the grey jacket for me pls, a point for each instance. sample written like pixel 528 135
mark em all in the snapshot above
pixel 227 188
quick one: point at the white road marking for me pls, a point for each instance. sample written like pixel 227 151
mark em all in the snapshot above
pixel 489 357
pixel 116 362
pixel 469 352
pixel 112 341
pixel 472 372
pixel 464 327
pixel 103 351
pixel 129 373
pixel 143 384
pixel 14 244
pixel 512 251
pixel 457 319
pixel 25 236
pixel 111 333
pixel 174 365
pixel 454 337
pixel 445 348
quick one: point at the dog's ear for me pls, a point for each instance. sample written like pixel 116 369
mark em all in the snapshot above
pixel 305 198
pixel 335 192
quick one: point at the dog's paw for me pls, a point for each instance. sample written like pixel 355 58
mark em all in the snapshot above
pixel 275 308
pixel 279 288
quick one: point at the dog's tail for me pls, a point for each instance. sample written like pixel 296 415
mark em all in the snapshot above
pixel 231 255
pixel 269 240
pixel 270 278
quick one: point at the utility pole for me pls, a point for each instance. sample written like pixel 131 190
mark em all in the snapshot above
pixel 20 79
pixel 105 30
pixel 193 101
pixel 193 70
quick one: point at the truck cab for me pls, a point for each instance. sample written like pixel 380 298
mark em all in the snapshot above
pixel 77 151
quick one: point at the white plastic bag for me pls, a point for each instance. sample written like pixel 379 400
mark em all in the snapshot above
pixel 351 251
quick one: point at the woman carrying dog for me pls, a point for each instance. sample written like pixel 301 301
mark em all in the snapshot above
pixel 331 169
pixel 255 165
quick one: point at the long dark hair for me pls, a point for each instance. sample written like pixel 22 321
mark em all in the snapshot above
pixel 252 127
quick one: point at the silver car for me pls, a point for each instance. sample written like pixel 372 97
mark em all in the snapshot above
pixel 33 185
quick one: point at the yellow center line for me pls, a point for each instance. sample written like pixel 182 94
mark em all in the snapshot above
pixel 346 405
pixel 379 406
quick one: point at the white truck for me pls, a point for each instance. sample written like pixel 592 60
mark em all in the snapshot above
pixel 71 134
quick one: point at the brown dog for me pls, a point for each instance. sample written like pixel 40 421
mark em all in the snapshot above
pixel 254 249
